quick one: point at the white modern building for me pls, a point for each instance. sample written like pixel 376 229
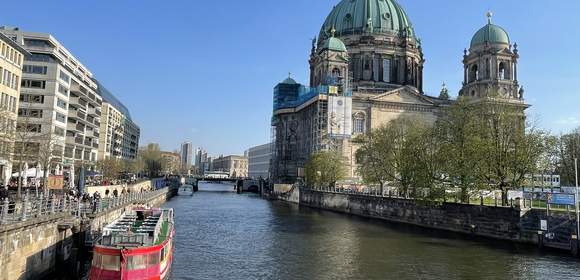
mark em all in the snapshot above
pixel 119 136
pixel 259 161
pixel 58 98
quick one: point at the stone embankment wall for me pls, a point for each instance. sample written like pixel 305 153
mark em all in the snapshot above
pixel 38 247
pixel 505 223
pixel 286 192
pixel 31 249
pixel 495 222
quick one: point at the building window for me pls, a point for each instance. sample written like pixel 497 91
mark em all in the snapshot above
pixel 32 113
pixel 501 72
pixel 32 98
pixel 37 128
pixel 359 123
pixel 62 89
pixel 387 70
pixel 34 69
pixel 59 131
pixel 61 103
pixel 60 118
pixel 36 43
pixel 40 57
pixel 474 74
pixel 64 76
pixel 33 84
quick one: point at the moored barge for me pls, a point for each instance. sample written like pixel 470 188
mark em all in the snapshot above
pixel 138 245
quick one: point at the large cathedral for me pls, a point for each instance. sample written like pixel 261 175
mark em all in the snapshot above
pixel 366 69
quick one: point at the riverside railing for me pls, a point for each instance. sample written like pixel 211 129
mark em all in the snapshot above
pixel 41 207
pixel 481 200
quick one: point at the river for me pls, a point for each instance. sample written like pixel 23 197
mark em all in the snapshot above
pixel 224 235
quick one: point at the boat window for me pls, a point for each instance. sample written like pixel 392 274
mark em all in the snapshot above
pixel 163 254
pixel 153 259
pixel 137 262
pixel 97 261
pixel 111 263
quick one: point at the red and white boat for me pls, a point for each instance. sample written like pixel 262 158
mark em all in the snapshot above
pixel 137 246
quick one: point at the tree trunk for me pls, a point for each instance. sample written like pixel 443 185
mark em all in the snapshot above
pixel 45 182
pixel 19 183
pixel 504 196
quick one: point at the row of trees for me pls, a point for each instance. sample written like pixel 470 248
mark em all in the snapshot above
pixel 471 147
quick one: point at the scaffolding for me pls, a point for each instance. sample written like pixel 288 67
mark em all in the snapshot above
pixel 300 126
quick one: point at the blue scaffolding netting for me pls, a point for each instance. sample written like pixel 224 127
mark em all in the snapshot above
pixel 291 95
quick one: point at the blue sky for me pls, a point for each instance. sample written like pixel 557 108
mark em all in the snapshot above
pixel 203 71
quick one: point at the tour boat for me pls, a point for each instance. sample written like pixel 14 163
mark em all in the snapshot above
pixel 185 190
pixel 138 245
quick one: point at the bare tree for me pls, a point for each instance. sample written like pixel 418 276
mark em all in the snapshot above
pixel 50 150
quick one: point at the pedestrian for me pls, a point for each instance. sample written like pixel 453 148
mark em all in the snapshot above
pixel 3 192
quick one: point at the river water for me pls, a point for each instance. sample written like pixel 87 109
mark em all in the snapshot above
pixel 224 235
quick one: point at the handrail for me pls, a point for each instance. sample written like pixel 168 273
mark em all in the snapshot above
pixel 15 212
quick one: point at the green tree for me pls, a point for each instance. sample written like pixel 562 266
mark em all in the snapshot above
pixel 151 159
pixel 460 152
pixel 568 148
pixel 324 169
pixel 511 146
pixel 401 153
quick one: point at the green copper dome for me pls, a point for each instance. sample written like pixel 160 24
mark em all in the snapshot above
pixel 367 16
pixel 333 44
pixel 491 34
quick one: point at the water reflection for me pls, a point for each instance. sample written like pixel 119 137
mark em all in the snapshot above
pixel 223 235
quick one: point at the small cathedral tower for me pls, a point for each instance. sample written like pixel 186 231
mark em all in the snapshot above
pixel 329 63
pixel 491 66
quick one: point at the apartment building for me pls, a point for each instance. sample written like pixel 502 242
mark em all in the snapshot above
pixel 58 99
pixel 259 161
pixel 171 163
pixel 235 166
pixel 119 136
pixel 11 61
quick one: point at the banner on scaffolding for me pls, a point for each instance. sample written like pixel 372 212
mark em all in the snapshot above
pixel 339 116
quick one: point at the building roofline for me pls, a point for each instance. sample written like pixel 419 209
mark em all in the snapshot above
pixel 15 45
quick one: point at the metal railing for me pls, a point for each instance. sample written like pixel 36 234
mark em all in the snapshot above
pixel 41 207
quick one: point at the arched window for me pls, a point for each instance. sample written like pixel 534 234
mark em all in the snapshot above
pixel 335 73
pixel 367 63
pixel 501 68
pixel 474 74
pixel 359 123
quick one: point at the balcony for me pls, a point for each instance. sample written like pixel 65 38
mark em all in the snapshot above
pixel 95 145
pixel 80 128
pixel 94 112
pixel 79 140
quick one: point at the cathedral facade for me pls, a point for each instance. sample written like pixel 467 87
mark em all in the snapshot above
pixel 366 69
